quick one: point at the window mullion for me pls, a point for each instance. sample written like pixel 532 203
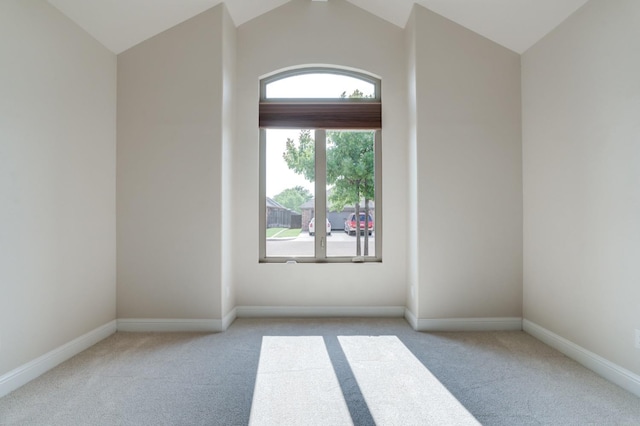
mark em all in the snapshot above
pixel 262 251
pixel 378 192
pixel 321 196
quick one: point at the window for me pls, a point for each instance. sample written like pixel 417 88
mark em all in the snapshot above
pixel 320 167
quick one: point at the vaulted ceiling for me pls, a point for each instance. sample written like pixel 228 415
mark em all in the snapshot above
pixel 515 24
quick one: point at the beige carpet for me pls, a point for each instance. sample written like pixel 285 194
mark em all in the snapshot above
pixel 499 378
pixel 398 389
pixel 296 384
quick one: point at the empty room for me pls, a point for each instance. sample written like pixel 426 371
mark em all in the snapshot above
pixel 319 212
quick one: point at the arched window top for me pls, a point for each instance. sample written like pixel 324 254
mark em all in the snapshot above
pixel 316 83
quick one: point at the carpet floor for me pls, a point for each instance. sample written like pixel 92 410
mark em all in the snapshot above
pixel 495 378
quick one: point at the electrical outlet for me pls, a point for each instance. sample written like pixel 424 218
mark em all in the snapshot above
pixel 637 342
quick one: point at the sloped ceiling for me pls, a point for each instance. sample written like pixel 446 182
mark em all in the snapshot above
pixel 514 24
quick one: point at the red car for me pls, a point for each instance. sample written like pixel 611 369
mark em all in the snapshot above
pixel 350 224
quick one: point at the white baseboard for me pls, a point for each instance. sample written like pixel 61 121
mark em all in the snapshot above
pixel 153 325
pixel 29 371
pixel 161 325
pixel 229 318
pixel 411 319
pixel 607 369
pixel 465 324
pixel 319 311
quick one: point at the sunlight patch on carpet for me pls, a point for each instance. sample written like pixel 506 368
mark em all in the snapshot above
pixel 297 385
pixel 398 388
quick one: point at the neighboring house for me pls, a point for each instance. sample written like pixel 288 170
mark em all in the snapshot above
pixel 308 212
pixel 335 218
pixel 278 216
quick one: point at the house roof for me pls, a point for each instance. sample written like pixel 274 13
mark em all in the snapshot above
pixel 311 204
pixel 515 24
pixel 274 204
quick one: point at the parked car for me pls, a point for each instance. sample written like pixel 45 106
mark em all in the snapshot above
pixel 350 224
pixel 312 227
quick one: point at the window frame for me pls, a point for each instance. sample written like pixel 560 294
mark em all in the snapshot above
pixel 336 111
pixel 264 82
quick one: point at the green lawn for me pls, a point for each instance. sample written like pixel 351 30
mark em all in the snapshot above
pixel 290 233
pixel 282 232
pixel 273 231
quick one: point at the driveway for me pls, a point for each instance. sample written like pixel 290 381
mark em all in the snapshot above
pixel 338 244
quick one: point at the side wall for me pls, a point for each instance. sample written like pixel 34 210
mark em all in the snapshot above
pixel 57 182
pixel 468 170
pixel 581 146
pixel 413 240
pixel 330 33
pixel 228 137
pixel 170 172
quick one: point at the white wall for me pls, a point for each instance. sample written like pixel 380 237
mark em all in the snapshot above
pixel 468 188
pixel 171 128
pixel 177 258
pixel 581 146
pixel 228 138
pixel 413 240
pixel 57 182
pixel 329 33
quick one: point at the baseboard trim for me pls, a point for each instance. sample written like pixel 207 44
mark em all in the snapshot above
pixel 319 311
pixel 229 318
pixel 161 325
pixel 411 319
pixel 607 369
pixel 31 370
pixel 467 324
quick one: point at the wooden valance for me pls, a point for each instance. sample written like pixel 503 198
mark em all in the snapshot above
pixel 321 115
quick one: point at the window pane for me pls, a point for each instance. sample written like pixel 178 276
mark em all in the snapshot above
pixel 319 86
pixel 290 169
pixel 351 189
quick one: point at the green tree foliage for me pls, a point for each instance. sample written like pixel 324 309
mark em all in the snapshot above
pixel 300 157
pixel 350 168
pixel 293 198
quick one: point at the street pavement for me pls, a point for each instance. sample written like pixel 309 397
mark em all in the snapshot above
pixel 338 244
